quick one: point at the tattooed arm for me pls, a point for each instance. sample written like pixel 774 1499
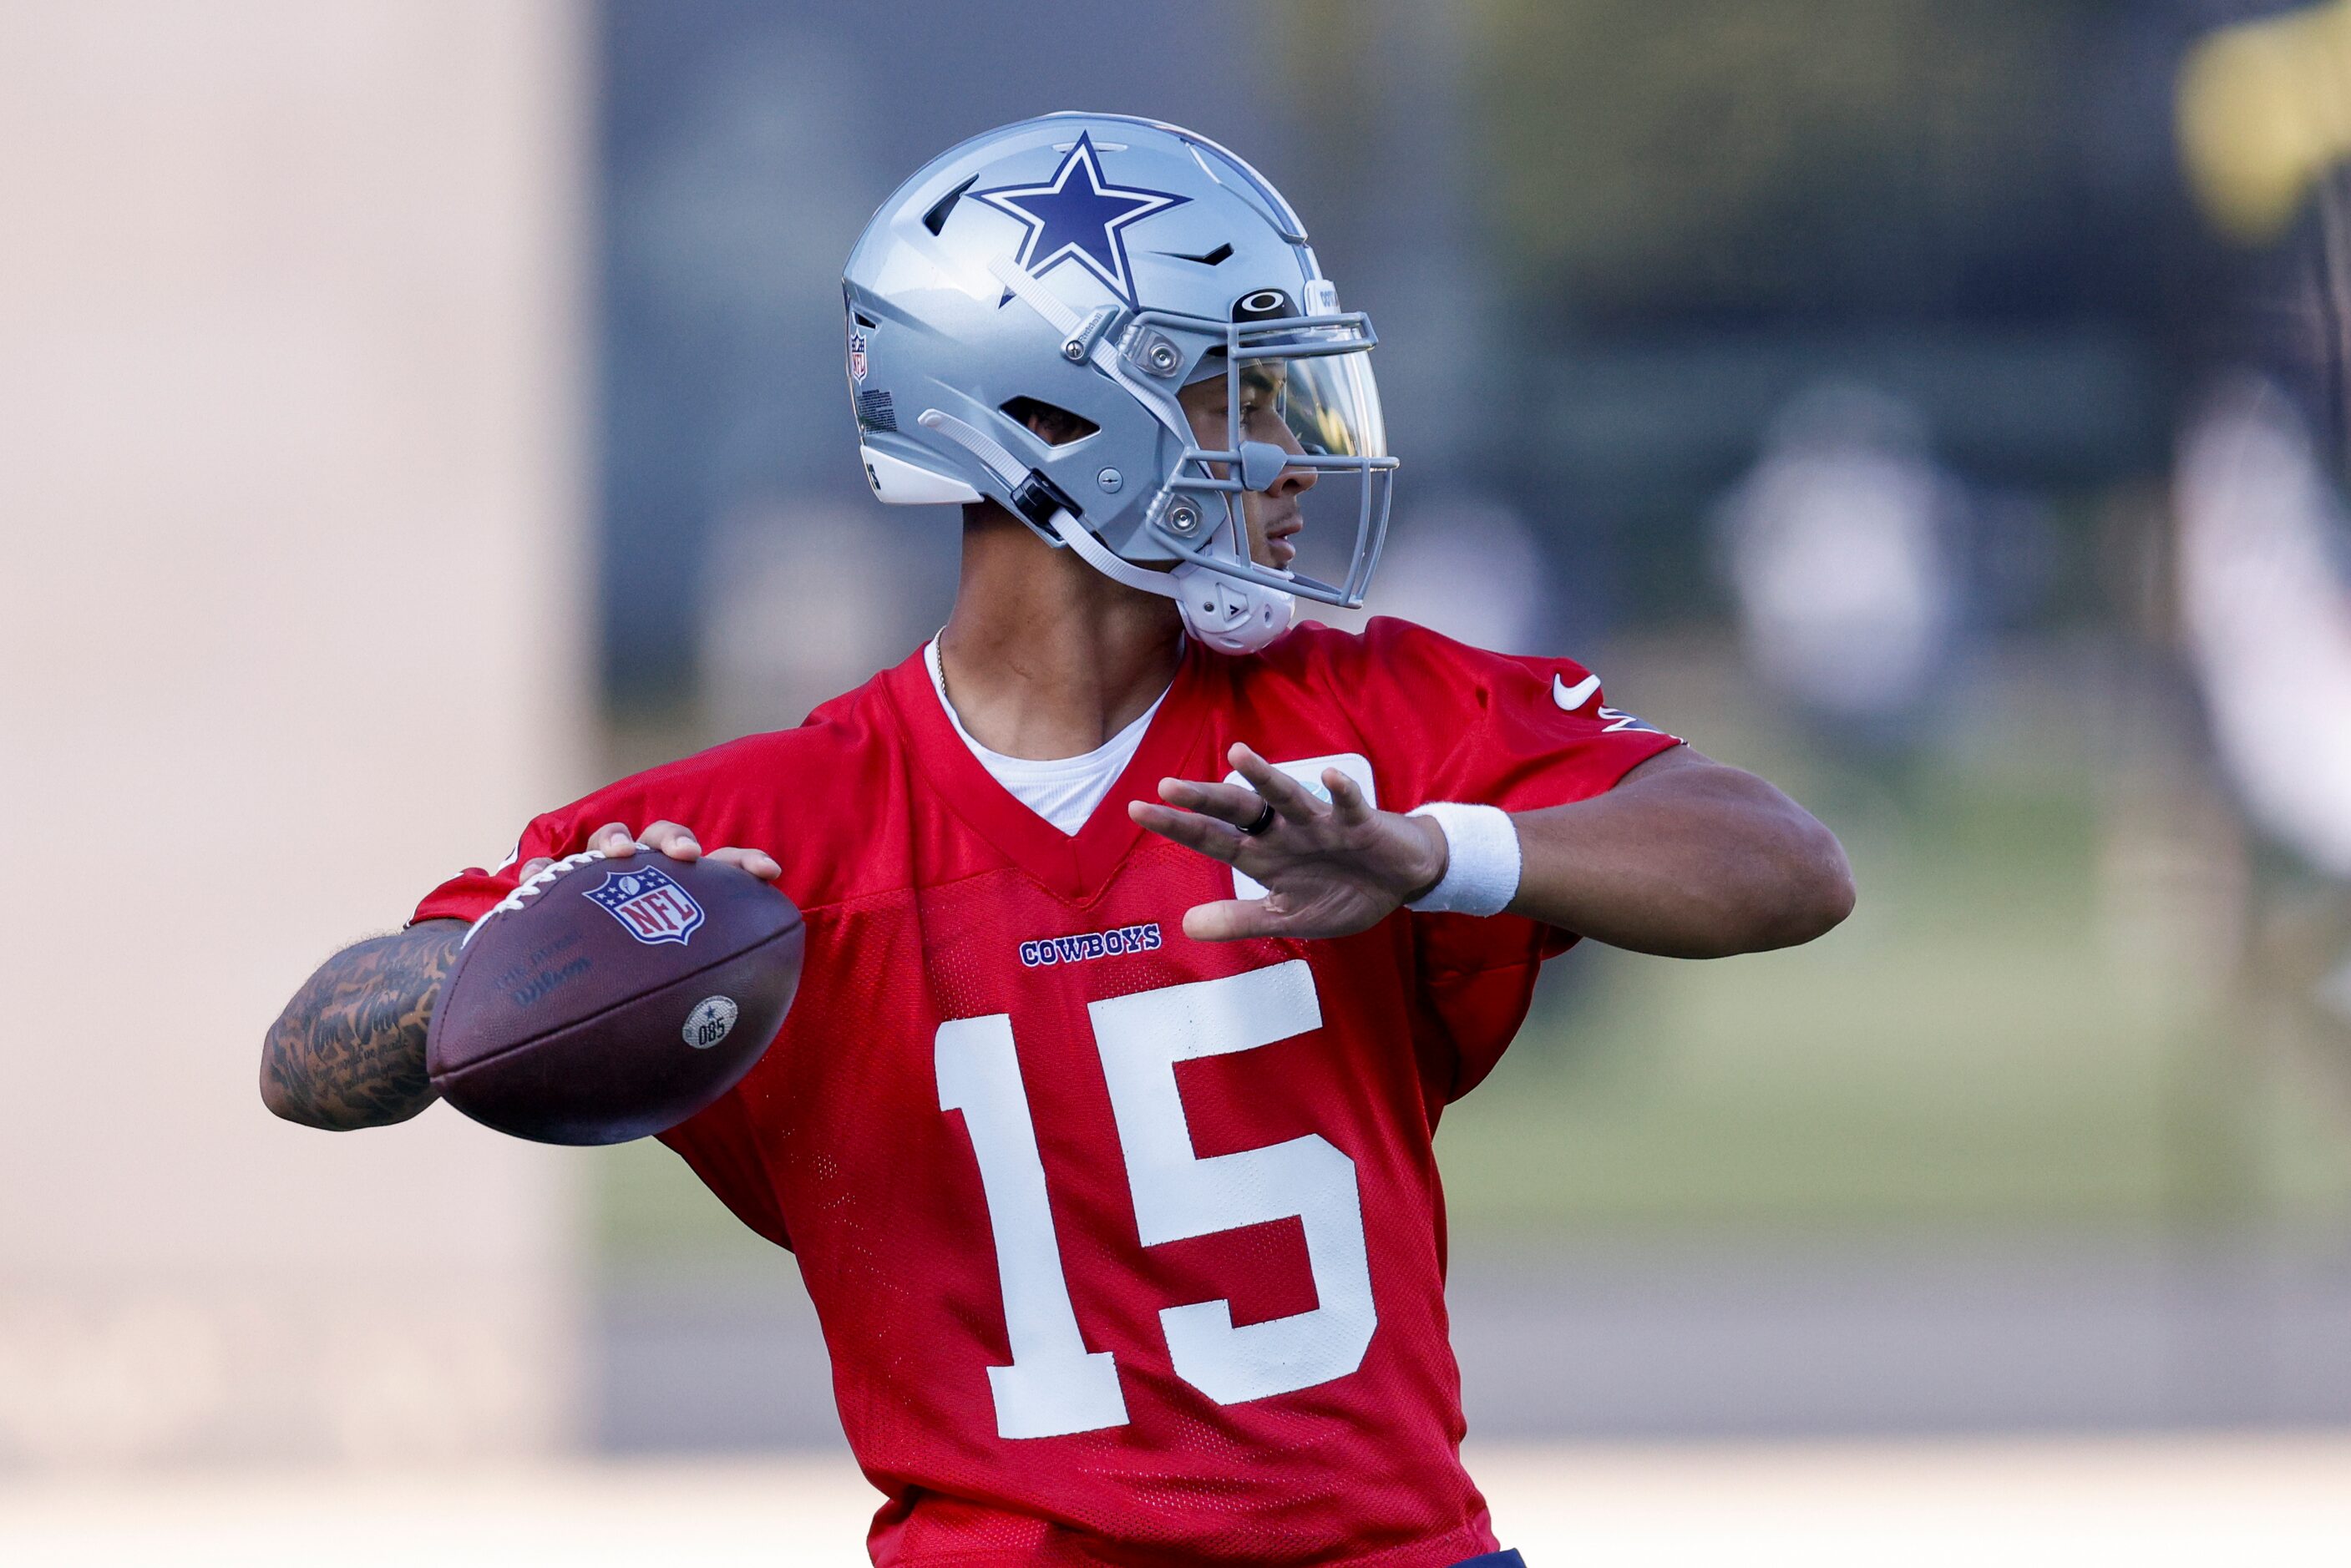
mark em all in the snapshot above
pixel 349 1050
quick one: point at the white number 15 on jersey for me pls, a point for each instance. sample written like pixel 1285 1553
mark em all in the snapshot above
pixel 1055 1385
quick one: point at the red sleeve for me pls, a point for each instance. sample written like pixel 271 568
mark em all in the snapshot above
pixel 693 791
pixel 1520 732
pixel 469 894
pixel 1456 722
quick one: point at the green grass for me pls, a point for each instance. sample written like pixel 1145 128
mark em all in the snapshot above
pixel 1977 1047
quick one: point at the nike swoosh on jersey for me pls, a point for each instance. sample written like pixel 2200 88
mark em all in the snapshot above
pixel 1571 697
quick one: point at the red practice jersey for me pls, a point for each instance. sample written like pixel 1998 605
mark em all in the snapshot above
pixel 1128 1248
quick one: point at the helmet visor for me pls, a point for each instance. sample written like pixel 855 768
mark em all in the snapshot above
pixel 1327 400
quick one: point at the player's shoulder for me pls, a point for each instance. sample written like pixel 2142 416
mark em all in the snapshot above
pixel 1311 652
pixel 803 787
pixel 829 746
pixel 857 724
pixel 1388 653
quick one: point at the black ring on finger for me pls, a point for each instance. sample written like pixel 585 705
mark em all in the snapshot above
pixel 1265 819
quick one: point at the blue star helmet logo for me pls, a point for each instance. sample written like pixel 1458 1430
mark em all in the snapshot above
pixel 1076 216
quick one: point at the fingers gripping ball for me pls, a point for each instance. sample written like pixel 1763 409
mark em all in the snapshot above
pixel 607 999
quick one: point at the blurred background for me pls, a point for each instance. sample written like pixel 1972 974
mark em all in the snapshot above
pixel 413 414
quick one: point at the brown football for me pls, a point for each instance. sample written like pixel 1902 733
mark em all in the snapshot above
pixel 615 1000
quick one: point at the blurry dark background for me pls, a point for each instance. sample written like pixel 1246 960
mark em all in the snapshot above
pixel 1607 241
pixel 1821 370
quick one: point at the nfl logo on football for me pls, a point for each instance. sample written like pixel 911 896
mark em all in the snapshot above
pixel 649 905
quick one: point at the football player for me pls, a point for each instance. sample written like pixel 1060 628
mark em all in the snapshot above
pixel 1149 934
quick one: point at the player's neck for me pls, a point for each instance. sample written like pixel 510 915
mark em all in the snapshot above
pixel 1043 656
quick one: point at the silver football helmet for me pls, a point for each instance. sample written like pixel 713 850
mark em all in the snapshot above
pixel 1099 266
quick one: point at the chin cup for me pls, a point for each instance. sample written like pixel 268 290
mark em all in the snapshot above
pixel 1228 615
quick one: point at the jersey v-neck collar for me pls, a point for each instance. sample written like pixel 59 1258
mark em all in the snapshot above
pixel 1069 781
pixel 1075 866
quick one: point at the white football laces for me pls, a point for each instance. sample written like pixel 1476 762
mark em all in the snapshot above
pixel 530 889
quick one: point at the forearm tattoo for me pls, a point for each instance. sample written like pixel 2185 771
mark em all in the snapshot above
pixel 349 1050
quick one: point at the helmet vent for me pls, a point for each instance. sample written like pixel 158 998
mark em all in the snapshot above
pixel 1053 425
pixel 936 218
pixel 1206 258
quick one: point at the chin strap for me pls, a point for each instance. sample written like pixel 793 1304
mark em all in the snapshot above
pixel 1228 615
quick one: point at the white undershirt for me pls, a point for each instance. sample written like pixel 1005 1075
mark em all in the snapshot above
pixel 1065 791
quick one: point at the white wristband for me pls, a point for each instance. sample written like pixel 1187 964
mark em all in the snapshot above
pixel 1482 864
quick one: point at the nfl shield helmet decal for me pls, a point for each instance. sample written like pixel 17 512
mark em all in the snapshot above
pixel 857 362
pixel 649 905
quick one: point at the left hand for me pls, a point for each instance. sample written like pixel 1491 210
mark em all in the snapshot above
pixel 670 838
pixel 1328 868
